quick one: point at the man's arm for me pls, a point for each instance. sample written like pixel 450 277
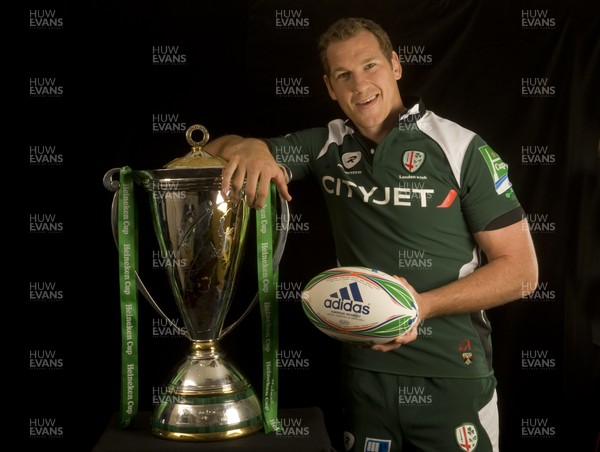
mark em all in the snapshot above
pixel 510 274
pixel 249 162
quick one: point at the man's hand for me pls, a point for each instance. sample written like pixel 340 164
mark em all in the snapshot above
pixel 254 166
pixel 251 168
pixel 409 335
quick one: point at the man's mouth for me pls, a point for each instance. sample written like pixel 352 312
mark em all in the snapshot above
pixel 367 101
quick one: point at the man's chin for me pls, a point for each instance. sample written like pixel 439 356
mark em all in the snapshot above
pixel 368 124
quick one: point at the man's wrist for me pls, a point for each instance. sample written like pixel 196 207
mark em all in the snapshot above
pixel 286 173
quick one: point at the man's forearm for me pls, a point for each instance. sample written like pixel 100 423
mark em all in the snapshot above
pixel 223 146
pixel 491 285
pixel 227 146
pixel 510 274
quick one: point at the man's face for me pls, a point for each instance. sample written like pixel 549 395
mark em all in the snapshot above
pixel 363 81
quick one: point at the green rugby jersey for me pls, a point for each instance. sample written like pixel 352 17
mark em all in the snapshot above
pixel 408 206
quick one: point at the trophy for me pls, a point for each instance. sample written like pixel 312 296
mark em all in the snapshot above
pixel 204 236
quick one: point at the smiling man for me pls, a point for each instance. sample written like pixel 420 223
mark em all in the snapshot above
pixel 362 77
pixel 414 195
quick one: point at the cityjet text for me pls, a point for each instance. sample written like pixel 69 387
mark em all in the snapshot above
pixel 397 196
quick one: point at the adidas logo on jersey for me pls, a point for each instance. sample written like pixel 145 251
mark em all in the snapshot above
pixel 348 299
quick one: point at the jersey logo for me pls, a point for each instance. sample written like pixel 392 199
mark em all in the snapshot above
pixel 450 197
pixel 464 346
pixel 498 169
pixel 467 358
pixel 350 159
pixel 377 445
pixel 466 437
pixel 413 160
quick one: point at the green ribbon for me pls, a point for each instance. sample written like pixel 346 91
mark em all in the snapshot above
pixel 268 276
pixel 128 259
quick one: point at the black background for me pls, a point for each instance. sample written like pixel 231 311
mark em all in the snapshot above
pixel 480 54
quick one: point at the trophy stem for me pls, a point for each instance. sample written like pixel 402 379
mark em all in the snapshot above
pixel 207 399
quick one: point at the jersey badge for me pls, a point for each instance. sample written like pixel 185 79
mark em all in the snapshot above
pixel 350 159
pixel 498 169
pixel 464 346
pixel 466 437
pixel 377 445
pixel 413 160
pixel 467 358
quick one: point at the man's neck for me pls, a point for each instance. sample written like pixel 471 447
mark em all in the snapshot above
pixel 378 134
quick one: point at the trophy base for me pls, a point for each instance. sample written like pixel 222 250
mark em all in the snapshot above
pixel 207 400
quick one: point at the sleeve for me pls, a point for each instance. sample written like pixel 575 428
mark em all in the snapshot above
pixel 297 151
pixel 487 196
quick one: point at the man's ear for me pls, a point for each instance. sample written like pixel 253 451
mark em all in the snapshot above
pixel 396 66
pixel 329 89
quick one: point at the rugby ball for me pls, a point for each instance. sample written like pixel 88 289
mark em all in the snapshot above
pixel 359 305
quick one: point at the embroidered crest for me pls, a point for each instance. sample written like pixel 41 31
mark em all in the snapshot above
pixel 466 437
pixel 464 346
pixel 413 160
pixel 467 358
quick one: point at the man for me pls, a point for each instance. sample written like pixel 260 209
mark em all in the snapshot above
pixel 418 196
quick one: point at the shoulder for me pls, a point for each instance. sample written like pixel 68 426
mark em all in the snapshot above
pixel 452 137
pixel 315 140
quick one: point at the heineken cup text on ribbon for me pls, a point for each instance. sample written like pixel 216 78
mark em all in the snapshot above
pixel 267 281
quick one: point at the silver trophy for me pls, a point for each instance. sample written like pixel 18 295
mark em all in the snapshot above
pixel 205 237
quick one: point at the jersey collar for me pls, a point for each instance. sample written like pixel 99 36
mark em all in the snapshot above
pixel 416 109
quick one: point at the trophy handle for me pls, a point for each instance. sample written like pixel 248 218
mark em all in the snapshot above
pixel 283 229
pixel 111 184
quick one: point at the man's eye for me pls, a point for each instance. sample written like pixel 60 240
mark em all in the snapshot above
pixel 343 75
pixel 370 66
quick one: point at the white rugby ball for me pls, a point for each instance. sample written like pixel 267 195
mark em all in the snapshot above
pixel 359 305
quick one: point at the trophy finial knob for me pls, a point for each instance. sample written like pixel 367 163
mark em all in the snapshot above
pixel 197 157
pixel 196 145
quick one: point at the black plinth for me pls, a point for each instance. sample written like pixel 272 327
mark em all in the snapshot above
pixel 303 431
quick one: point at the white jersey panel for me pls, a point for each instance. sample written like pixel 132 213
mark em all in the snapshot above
pixel 337 131
pixel 452 138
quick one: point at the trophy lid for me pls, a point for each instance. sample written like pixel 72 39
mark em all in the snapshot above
pixel 197 157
